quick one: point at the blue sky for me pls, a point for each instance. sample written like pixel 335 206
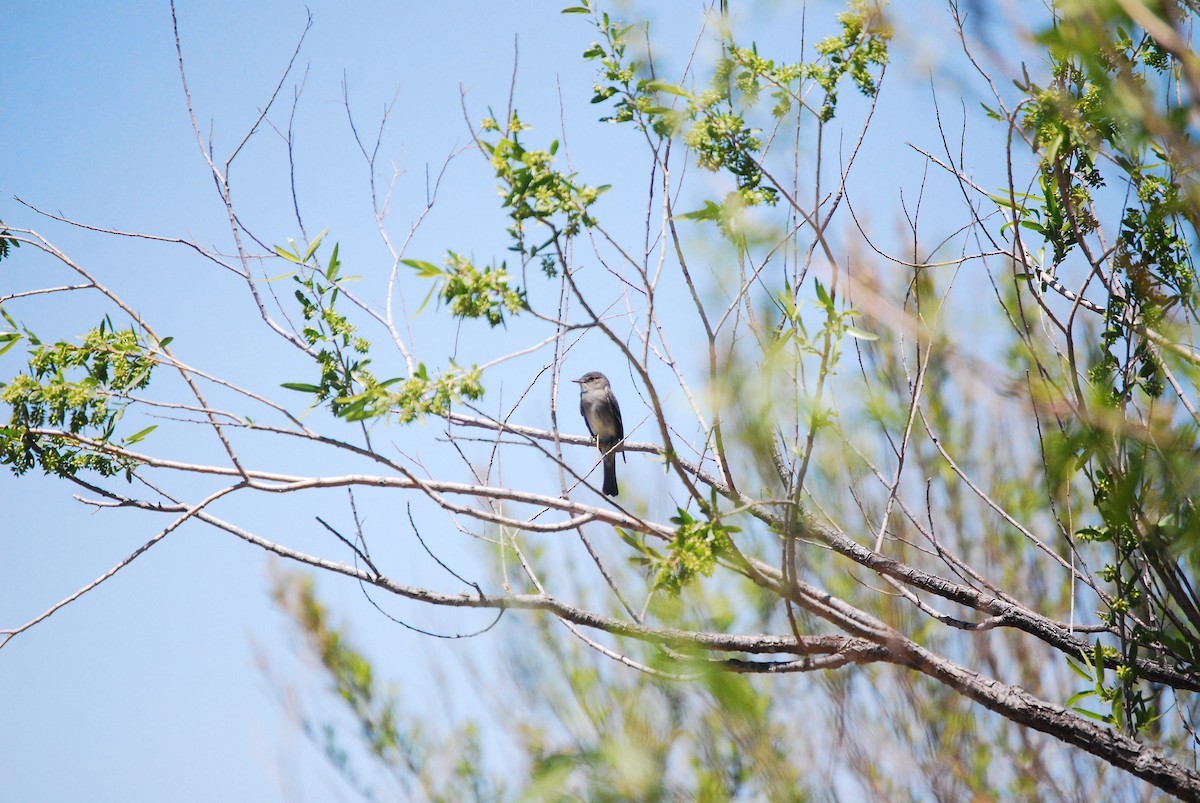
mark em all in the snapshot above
pixel 149 687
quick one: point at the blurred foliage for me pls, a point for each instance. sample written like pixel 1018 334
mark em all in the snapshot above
pixel 1118 115
pixel 581 731
pixel 414 761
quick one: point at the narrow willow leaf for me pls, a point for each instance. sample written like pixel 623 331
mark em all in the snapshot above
pixel 670 89
pixel 860 334
pixel 314 245
pixel 137 436
pixel 289 256
pixel 426 270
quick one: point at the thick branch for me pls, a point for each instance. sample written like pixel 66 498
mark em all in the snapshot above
pixel 1018 705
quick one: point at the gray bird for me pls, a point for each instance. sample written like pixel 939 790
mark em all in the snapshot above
pixel 602 415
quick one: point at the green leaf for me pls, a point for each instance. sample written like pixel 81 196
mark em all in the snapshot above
pixel 670 89
pixel 303 387
pixel 356 411
pixel 288 255
pixel 9 339
pixel 429 295
pixel 1093 715
pixel 636 544
pixel 426 270
pixel 335 264
pixel 1077 696
pixel 1006 202
pixel 576 10
pixel 280 276
pixel 823 295
pixel 711 211
pixel 861 334
pixel 1027 224
pixel 314 245
pixel 137 436
pixel 1078 670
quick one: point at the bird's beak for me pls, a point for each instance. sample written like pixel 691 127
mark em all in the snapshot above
pixel 577 381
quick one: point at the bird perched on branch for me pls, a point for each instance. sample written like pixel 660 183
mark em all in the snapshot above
pixel 602 415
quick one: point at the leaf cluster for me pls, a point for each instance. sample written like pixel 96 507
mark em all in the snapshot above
pixel 473 293
pixel 346 385
pixel 82 388
pixel 7 242
pixel 532 188
pixel 698 543
pixel 715 121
